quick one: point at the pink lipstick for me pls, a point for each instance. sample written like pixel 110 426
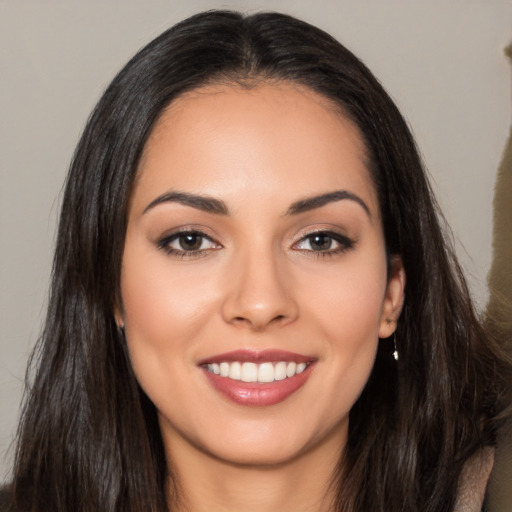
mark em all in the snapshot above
pixel 257 378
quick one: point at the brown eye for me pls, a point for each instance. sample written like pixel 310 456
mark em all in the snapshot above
pixel 324 242
pixel 190 241
pixel 187 243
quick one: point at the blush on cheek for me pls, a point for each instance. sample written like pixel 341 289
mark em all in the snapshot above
pixel 355 305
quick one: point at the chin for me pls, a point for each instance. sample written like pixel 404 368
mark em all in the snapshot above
pixel 264 444
pixel 256 456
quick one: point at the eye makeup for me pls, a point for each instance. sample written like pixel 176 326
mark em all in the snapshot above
pixel 324 243
pixel 192 242
pixel 188 243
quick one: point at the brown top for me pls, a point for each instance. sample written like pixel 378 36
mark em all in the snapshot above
pixel 473 481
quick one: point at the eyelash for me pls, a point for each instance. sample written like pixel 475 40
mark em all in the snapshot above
pixel 165 244
pixel 344 244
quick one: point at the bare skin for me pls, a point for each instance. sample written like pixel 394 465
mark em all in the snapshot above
pixel 254 226
pixel 253 488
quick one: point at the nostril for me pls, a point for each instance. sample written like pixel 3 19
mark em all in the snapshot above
pixel 258 323
pixel 259 306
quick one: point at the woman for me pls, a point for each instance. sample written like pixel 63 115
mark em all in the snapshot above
pixel 253 305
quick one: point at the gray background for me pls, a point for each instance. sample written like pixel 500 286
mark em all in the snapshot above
pixel 441 60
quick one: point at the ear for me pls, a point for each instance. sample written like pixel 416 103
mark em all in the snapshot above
pixel 393 300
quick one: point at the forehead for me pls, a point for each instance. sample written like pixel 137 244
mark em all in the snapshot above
pixel 223 139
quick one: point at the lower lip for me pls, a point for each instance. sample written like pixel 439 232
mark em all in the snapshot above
pixel 256 394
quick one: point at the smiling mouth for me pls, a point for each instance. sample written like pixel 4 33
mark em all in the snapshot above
pixel 257 378
pixel 265 372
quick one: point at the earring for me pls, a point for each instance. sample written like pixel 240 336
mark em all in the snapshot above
pixel 395 352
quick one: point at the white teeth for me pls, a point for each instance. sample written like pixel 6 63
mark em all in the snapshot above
pixel 235 371
pixel 280 371
pixel 301 367
pixel 252 372
pixel 266 372
pixel 290 369
pixel 224 369
pixel 249 372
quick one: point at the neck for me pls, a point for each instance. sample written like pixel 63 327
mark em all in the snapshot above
pixel 303 484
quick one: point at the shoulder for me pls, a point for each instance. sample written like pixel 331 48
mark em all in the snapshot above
pixel 473 481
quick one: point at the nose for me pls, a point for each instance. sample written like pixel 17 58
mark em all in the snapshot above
pixel 259 293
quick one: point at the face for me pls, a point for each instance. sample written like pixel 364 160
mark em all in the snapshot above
pixel 254 279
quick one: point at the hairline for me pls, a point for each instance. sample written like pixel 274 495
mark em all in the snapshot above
pixel 247 82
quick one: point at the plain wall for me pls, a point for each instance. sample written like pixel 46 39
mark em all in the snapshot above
pixel 442 61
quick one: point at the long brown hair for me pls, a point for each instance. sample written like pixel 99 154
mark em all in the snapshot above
pixel 89 439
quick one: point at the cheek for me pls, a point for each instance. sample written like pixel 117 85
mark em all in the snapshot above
pixel 348 299
pixel 159 299
pixel 345 308
pixel 168 315
pixel 165 312
pixel 351 322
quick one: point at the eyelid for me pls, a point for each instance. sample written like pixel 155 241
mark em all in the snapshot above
pixel 164 241
pixel 343 241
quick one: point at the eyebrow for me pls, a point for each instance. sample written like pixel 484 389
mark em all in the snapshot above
pixel 310 203
pixel 204 203
pixel 216 206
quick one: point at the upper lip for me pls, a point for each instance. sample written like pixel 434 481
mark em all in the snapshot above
pixel 257 356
